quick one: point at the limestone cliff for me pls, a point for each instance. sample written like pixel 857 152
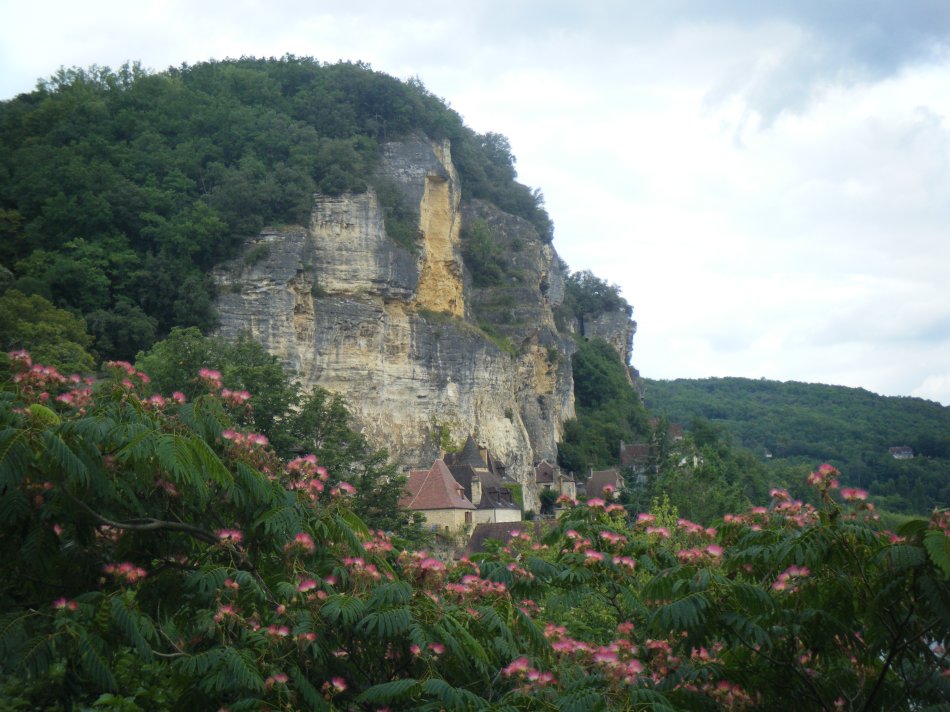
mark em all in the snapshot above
pixel 423 355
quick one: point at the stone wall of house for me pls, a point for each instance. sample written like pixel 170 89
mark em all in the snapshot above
pixel 488 516
pixel 446 521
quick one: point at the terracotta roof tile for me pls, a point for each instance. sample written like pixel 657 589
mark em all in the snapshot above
pixel 435 489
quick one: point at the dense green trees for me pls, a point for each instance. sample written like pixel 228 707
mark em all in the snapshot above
pixel 157 557
pixel 802 424
pixel 587 295
pixel 608 410
pixel 291 419
pixel 120 190
pixel 54 335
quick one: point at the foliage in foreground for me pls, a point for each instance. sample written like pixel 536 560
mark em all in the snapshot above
pixel 157 558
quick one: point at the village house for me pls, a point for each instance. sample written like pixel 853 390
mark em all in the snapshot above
pixel 485 483
pixel 548 476
pixel 439 497
pixel 674 431
pixel 901 452
pixel 636 456
pixel 605 484
pixel 464 488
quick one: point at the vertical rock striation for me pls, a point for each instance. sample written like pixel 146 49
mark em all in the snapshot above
pixel 423 357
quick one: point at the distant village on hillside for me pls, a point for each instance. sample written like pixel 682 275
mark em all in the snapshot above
pixel 469 495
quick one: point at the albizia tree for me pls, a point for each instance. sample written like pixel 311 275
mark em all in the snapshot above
pixel 154 556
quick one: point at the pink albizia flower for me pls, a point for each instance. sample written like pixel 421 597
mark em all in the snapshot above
pixel 305 542
pixel 209 374
pixel 64 604
pixel 517 665
pixel 431 564
pixel 306 585
pixel 21 358
pixel 346 488
pixel 853 494
pixel 230 535
pixel 714 550
pixel 645 518
pixel 277 678
pixel 178 397
pixel 437 648
pixel 224 612
pixel 605 655
pixel 338 684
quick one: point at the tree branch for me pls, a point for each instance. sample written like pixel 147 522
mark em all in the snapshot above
pixel 148 524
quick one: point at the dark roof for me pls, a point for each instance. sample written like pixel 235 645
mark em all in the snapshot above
pixel 673 430
pixel 469 455
pixel 499 531
pixel 634 453
pixel 435 489
pixel 494 493
pixel 600 479
pixel 544 472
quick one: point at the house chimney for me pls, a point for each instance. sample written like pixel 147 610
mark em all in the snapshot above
pixel 476 490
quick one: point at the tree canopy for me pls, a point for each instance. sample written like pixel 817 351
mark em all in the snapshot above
pixel 55 335
pixel 157 557
pixel 119 190
pixel 608 410
pixel 807 423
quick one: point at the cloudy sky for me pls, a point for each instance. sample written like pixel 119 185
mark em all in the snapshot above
pixel 767 181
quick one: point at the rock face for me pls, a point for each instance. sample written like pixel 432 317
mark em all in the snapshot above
pixel 423 356
pixel 617 329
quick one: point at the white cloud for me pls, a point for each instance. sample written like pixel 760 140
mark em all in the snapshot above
pixel 936 388
pixel 766 181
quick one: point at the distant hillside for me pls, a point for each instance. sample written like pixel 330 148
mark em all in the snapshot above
pixel 806 422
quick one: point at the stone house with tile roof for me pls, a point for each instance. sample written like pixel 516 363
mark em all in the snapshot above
pixel 601 479
pixel 485 484
pixel 549 476
pixel 437 495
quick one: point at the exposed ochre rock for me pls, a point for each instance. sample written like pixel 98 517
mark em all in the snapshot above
pixel 402 334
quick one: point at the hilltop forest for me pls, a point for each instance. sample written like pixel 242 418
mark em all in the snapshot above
pixel 120 190
pixel 804 423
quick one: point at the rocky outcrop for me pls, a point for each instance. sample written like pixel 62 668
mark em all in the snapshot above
pixel 424 357
pixel 617 329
